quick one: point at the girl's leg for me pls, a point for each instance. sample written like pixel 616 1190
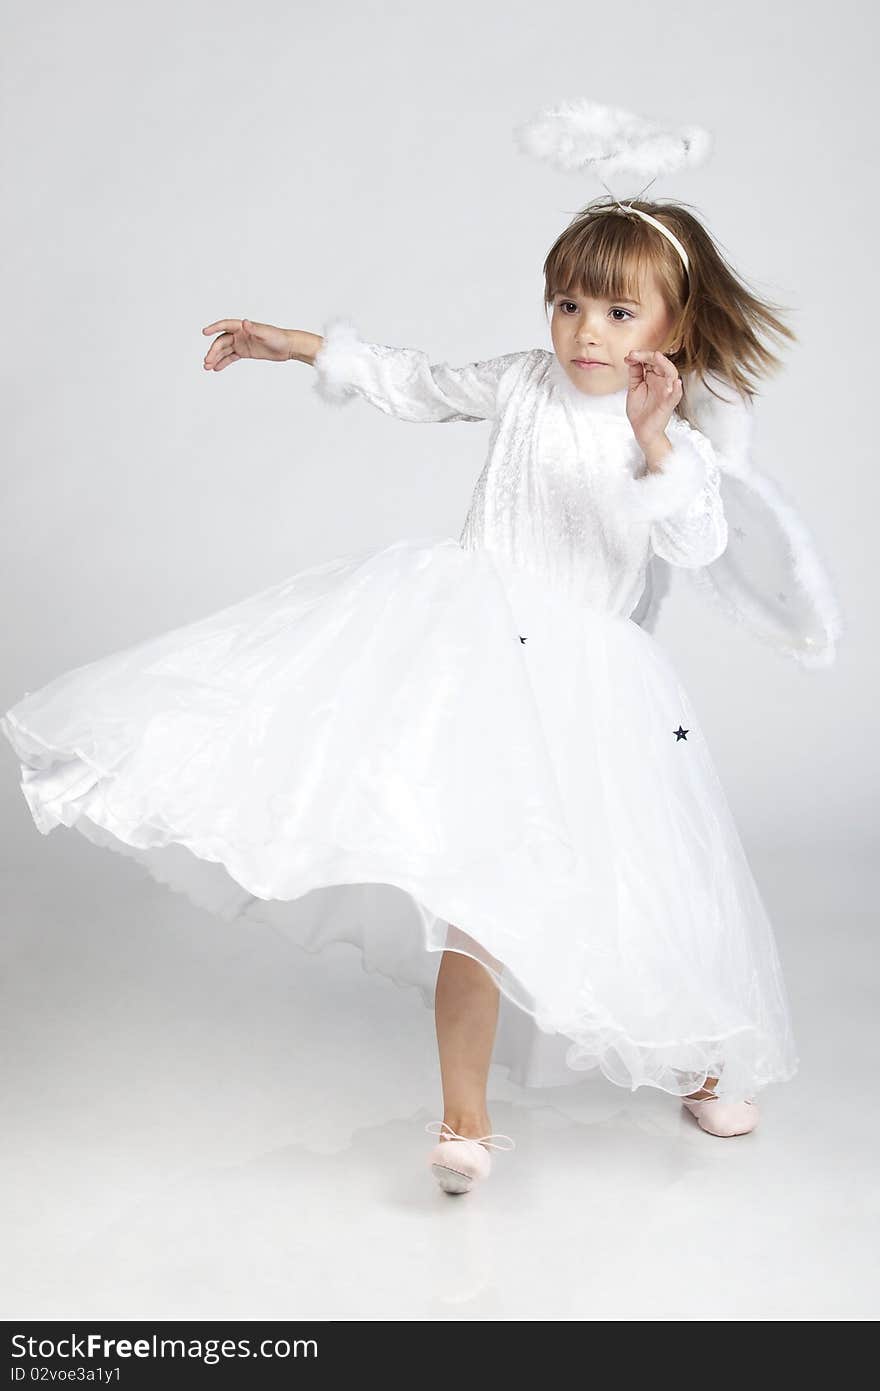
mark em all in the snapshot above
pixel 466 1014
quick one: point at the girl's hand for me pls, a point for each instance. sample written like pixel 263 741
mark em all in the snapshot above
pixel 243 338
pixel 653 392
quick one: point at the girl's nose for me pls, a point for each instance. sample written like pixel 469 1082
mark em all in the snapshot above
pixel 588 331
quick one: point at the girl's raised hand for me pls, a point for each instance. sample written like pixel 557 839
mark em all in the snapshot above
pixel 243 338
pixel 653 391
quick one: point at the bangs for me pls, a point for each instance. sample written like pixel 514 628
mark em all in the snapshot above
pixel 605 257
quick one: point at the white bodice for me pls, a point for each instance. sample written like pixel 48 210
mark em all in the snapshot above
pixel 550 495
pixel 562 491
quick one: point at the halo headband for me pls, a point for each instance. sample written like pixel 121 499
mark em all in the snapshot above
pixel 586 135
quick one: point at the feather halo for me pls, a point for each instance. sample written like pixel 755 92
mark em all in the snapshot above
pixel 610 141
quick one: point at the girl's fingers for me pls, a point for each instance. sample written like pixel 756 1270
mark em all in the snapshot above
pixel 653 361
pixel 636 370
pixel 218 345
pixel 225 361
pixel 658 367
pixel 222 350
pixel 219 350
pixel 656 372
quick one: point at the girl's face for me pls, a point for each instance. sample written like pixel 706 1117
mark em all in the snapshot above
pixel 604 331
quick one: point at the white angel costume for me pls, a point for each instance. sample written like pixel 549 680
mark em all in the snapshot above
pixel 473 743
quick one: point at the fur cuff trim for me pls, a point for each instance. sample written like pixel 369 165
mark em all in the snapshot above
pixel 336 361
pixel 653 496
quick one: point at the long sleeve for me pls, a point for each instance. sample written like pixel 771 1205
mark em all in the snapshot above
pixel 403 382
pixel 695 534
pixel 683 501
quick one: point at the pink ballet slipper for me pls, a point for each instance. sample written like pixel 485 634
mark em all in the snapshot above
pixel 725 1118
pixel 459 1162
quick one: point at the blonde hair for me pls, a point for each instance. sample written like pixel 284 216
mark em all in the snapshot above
pixel 717 322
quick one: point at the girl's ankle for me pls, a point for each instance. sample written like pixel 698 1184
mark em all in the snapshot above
pixel 470 1125
pixel 706 1092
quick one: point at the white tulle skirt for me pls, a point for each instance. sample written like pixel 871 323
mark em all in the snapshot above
pixel 423 748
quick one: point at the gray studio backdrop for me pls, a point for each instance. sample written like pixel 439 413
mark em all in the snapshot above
pixel 171 164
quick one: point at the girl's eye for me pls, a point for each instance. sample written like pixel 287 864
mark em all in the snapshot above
pixel 566 304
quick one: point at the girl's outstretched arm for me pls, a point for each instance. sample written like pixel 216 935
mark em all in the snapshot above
pixel 400 381
pixel 403 381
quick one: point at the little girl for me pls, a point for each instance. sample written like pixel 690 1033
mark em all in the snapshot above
pixel 467 756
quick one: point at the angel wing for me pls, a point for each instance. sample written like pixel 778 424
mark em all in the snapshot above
pixel 770 578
